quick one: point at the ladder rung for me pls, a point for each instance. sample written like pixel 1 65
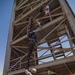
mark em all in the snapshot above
pixel 59 55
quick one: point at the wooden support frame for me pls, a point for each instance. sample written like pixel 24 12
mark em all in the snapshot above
pixel 54 15
pixel 21 3
pixel 20 47
pixel 52 30
pixel 18 22
pixel 21 23
pixel 30 11
pixel 61 44
pixel 49 46
pixel 48 64
pixel 42 57
pixel 37 30
pixel 67 68
pixel 43 36
pixel 17 62
pixel 44 17
pixel 58 41
pixel 15 52
pixel 22 12
pixel 70 41
pixel 70 17
pixel 47 56
pixel 18 8
pixel 19 50
pixel 20 32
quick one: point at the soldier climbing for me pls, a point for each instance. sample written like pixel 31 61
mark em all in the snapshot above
pixel 31 41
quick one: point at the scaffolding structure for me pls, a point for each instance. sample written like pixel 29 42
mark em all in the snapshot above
pixel 55 49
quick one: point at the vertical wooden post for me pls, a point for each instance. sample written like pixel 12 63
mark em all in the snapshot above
pixel 69 37
pixel 8 48
pixel 69 15
pixel 34 58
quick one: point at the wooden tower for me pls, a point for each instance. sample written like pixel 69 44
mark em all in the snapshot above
pixel 55 35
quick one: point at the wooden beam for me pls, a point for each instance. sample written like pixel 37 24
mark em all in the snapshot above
pixel 44 17
pixel 16 72
pixel 19 50
pixel 45 47
pixel 50 2
pixel 20 32
pixel 37 30
pixel 15 53
pixel 70 17
pixel 22 12
pixel 51 13
pixel 17 62
pixel 20 47
pixel 30 11
pixel 69 36
pixel 21 4
pixel 45 65
pixel 55 9
pixel 42 48
pixel 52 31
pixel 59 14
pixel 40 58
pixel 65 41
pixel 45 56
pixel 56 62
pixel 29 4
pixel 67 68
pixel 21 23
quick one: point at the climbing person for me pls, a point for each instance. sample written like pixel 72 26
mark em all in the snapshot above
pixel 31 44
pixel 46 9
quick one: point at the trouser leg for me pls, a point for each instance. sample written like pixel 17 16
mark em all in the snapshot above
pixel 30 49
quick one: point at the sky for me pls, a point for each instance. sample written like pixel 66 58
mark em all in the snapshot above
pixel 5 15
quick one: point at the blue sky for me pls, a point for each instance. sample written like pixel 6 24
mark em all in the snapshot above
pixel 5 14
